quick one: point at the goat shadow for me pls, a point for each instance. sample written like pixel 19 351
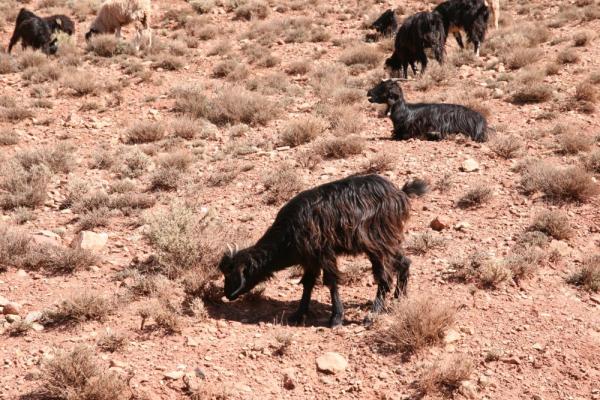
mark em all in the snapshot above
pixel 256 309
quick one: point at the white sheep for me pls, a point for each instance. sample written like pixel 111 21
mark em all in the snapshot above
pixel 115 14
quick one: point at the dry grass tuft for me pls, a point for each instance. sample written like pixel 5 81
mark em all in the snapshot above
pixel 531 92
pixel 568 56
pixel 507 146
pixel 144 132
pixel 338 148
pixel 236 105
pixel 301 131
pixel 81 83
pixel 592 162
pixel 521 57
pixel 183 240
pixel 19 328
pixel 379 162
pixel 417 323
pixel 476 196
pixel 79 308
pixel 7 64
pixel 445 376
pixel 582 38
pixel 366 55
pixel 552 223
pixel 282 185
pixel 481 270
pixel 21 186
pixel 76 375
pixel 112 342
pixel 588 275
pixel 423 242
pixel 573 143
pixel 253 9
pixel 558 184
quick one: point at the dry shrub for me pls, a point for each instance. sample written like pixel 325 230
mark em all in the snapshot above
pixel 167 62
pixel 30 58
pixel 7 64
pixel 445 376
pixel 220 48
pixel 379 163
pixel 93 219
pixel 585 92
pixel 21 186
pixel 223 175
pixel 203 6
pixel 338 148
pixel 302 130
pixel 253 9
pixel 592 162
pixel 552 68
pixel 290 30
pixel 105 45
pixel 165 178
pixel 476 196
pixel 588 275
pixel 568 56
pixel 299 67
pixel 582 38
pixel 79 308
pixel 231 70
pixel 418 322
pixel 112 342
pixel 81 82
pixel 190 100
pixel 282 185
pixel 421 243
pixel 44 73
pixel 552 223
pixel 521 57
pixel 182 240
pixel 480 270
pixel 507 146
pixel 15 114
pixel 131 163
pixel 144 132
pixel 75 375
pixel 8 137
pixel 462 57
pixel 366 55
pixel 167 319
pixel 573 143
pixel 19 328
pixel 328 77
pixel 236 105
pixel 186 127
pixel 531 92
pixel 558 184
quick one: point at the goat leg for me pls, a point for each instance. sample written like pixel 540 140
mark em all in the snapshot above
pixel 337 308
pixel 308 282
pixel 403 272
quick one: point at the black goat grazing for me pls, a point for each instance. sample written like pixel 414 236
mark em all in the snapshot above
pixel 358 214
pixel 418 32
pixel 434 121
pixel 472 16
pixel 56 22
pixel 33 32
pixel 386 24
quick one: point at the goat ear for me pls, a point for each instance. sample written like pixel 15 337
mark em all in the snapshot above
pixel 58 22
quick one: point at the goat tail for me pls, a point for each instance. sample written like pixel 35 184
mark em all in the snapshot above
pixel 417 187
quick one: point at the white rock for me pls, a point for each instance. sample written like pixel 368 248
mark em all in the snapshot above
pixel 451 336
pixel 332 363
pixel 174 375
pixel 469 165
pixel 90 241
pixel 33 316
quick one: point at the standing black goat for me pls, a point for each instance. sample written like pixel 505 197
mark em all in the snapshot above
pixel 56 22
pixel 36 32
pixel 386 24
pixel 472 16
pixel 358 214
pixel 434 121
pixel 418 32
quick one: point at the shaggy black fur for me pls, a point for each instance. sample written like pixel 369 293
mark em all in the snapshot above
pixel 33 32
pixel 56 22
pixel 471 16
pixel 358 214
pixel 434 121
pixel 386 24
pixel 418 32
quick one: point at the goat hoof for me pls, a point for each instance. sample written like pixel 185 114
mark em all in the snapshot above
pixel 335 322
pixel 368 321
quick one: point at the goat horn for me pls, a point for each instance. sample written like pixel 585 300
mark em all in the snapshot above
pixel 398 79
pixel 230 250
pixel 236 248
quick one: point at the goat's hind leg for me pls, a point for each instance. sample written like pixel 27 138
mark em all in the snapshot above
pixel 308 283
pixel 402 265
pixel 383 287
pixel 330 279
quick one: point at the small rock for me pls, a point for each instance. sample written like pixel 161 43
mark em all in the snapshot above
pixel 332 363
pixel 438 224
pixel 469 165
pixel 3 301
pixel 560 247
pixel 11 308
pixel 37 327
pixel 462 226
pixel 190 341
pixel 483 381
pixel 289 379
pixel 33 316
pixel 538 346
pixel 90 241
pixel 468 390
pixel 174 375
pixel 118 364
pixel 12 318
pixel 451 336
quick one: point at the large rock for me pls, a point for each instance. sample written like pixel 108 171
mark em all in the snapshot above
pixel 438 224
pixel 332 363
pixel 90 241
pixel 3 301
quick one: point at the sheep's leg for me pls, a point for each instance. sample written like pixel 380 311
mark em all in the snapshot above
pixel 308 283
pixel 402 265
pixel 337 308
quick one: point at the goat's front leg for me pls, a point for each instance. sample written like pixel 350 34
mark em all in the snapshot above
pixel 337 308
pixel 308 283
pixel 459 40
pixel 118 33
pixel 402 265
